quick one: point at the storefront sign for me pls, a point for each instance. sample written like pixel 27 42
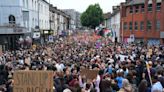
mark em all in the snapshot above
pixel 36 35
pixel 18 30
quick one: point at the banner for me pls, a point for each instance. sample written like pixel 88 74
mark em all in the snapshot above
pixel 33 81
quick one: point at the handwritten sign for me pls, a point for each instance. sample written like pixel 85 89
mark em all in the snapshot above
pixel 33 81
pixel 90 74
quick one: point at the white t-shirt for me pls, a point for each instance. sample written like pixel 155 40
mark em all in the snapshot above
pixel 157 87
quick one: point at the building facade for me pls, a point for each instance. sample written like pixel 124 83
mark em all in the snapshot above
pixel 16 21
pixel 142 21
pixel 22 19
pixel 44 15
pixel 44 20
pixel 75 18
pixel 107 20
pixel 78 22
pixel 59 21
pixel 115 23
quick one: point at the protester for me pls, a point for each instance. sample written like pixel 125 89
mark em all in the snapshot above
pixel 120 67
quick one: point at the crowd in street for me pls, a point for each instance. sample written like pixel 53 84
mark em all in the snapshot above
pixel 122 68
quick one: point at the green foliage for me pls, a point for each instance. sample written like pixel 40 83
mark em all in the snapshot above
pixel 92 17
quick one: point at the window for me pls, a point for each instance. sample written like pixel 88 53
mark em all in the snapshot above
pixel 136 26
pixel 158 25
pixel 45 24
pixel 131 9
pixel 32 4
pixel 33 24
pixel 125 25
pixel 39 7
pixel 149 25
pixel 136 9
pixel 42 23
pixel 142 8
pixel 35 6
pixel 36 22
pixel 12 19
pixel 130 26
pixel 158 7
pixel 150 7
pixel 26 3
pixel 23 3
pixel 141 25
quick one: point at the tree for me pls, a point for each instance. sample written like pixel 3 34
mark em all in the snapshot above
pixel 92 17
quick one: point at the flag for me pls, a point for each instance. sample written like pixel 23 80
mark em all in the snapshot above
pixel 108 33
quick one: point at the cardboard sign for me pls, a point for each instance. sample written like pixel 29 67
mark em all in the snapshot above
pixel 90 74
pixel 33 81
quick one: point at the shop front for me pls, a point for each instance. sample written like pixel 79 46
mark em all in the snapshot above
pixel 152 42
pixel 46 34
pixel 9 37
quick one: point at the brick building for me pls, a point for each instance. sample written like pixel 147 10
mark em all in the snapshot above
pixel 142 20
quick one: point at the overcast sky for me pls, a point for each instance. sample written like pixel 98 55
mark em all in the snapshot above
pixel 81 5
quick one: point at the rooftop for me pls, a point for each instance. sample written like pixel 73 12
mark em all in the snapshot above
pixel 135 2
pixel 107 15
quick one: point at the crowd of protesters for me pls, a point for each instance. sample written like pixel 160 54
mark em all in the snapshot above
pixel 122 68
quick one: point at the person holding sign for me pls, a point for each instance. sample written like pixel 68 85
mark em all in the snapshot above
pixel 149 72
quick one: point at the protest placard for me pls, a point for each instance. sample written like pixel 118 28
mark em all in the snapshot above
pixel 90 74
pixel 33 81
